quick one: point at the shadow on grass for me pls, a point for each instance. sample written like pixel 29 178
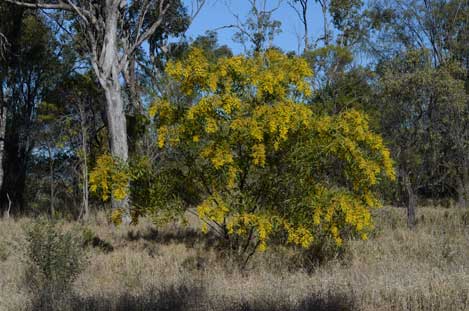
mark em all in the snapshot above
pixel 168 299
pixel 329 303
pixel 184 298
pixel 188 236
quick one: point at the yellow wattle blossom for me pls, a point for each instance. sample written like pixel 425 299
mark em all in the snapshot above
pixel 258 154
pixel 109 178
pixel 248 129
pixel 119 194
pixel 211 126
pixel 299 235
pixel 162 108
pixel 219 156
pixel 116 217
pixel 232 176
pixel 162 133
pixel 317 217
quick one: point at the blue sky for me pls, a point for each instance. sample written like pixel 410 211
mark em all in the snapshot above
pixel 219 13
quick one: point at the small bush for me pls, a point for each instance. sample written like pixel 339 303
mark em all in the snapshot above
pixel 54 259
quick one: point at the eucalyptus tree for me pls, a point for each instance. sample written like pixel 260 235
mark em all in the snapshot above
pixel 424 119
pixel 440 90
pixel 441 26
pixel 112 32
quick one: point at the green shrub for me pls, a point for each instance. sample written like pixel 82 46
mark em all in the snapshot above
pixel 55 257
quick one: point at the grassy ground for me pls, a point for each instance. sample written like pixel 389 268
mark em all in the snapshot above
pixel 175 269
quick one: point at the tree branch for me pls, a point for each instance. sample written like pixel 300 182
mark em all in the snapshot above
pixel 146 34
pixel 3 45
pixel 52 6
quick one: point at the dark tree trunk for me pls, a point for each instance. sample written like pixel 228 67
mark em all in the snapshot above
pixel 14 185
pixel 3 121
pixel 411 200
pixel 463 190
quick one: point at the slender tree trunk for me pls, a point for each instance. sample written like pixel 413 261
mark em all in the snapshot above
pixel 305 24
pixel 84 165
pixel 463 190
pixel 325 25
pixel 306 37
pixel 51 185
pixel 3 121
pixel 411 200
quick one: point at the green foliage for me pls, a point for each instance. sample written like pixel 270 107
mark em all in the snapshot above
pixel 55 258
pixel 425 115
pixel 347 19
pixel 156 191
pixel 264 162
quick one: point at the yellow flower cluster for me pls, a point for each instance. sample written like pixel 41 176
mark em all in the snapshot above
pixel 258 154
pixel 212 209
pixel 300 235
pixel 219 156
pixel 116 216
pixel 348 137
pixel 242 223
pixel 193 72
pixel 109 178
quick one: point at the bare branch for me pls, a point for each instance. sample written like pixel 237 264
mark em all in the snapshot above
pixel 140 38
pixel 60 5
pixel 198 7
pixel 84 14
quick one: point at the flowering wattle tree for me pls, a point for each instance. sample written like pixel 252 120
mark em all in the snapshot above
pixel 264 163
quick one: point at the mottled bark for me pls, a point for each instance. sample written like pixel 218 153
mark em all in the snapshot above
pixel 108 71
pixel 117 131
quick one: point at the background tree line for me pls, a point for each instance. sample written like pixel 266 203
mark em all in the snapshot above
pixel 77 79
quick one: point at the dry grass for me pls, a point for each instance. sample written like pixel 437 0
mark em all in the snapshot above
pixel 176 269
